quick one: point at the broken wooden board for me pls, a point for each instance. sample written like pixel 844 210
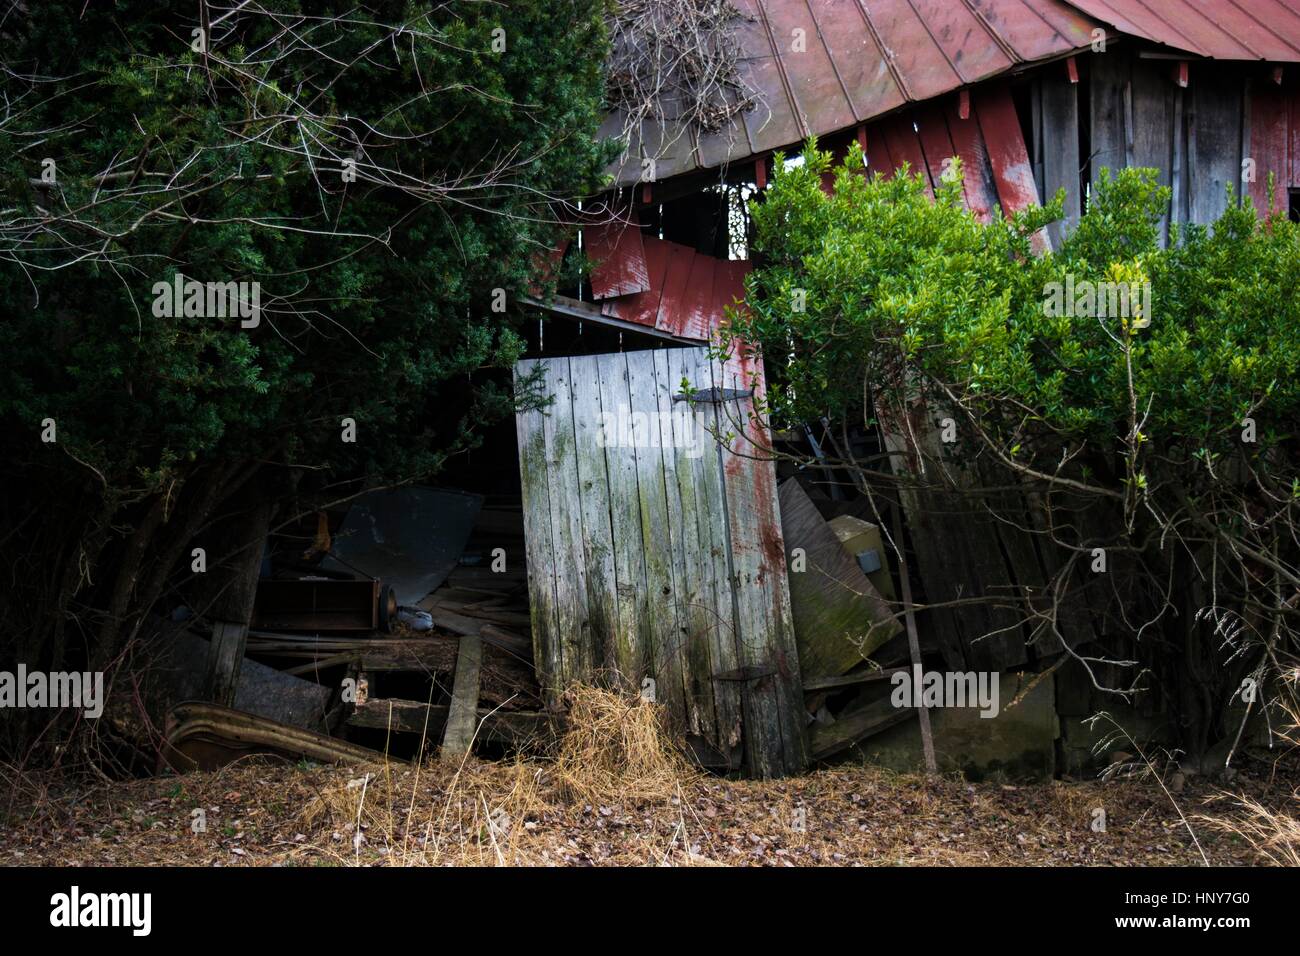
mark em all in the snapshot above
pixel 839 616
pixel 827 740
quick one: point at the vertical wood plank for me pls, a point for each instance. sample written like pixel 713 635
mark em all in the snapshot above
pixel 1154 123
pixel 1059 122
pixel 683 447
pixel 713 553
pixel 590 439
pixel 1269 144
pixel 462 715
pixel 775 720
pixel 566 525
pixel 1217 159
pixel 535 492
pixel 632 630
pixel 661 586
pixel 1108 76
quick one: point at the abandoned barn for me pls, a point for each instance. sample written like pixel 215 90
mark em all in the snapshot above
pixel 639 527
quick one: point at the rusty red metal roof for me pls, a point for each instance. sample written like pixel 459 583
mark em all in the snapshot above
pixel 856 60
pixel 686 293
pixel 1221 29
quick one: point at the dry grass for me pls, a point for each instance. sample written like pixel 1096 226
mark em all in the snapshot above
pixel 618 747
pixel 1274 834
pixel 619 793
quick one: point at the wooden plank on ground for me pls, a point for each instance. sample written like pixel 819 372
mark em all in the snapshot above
pixel 409 716
pixel 827 740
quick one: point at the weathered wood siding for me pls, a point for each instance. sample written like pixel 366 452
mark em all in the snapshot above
pixel 654 549
pixel 1138 115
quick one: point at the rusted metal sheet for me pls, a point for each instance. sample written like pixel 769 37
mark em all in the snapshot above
pixel 977 178
pixel 618 255
pixel 728 288
pixel 698 318
pixel 672 304
pixel 904 147
pixel 688 293
pixel 1008 157
pixel 1222 29
pixel 643 307
pixel 818 66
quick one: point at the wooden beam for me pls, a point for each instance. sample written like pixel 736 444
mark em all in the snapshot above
pixel 227 595
pixel 586 312
pixel 458 737
pixel 847 680
pixel 495 726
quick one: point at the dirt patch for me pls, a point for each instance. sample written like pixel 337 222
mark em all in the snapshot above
pixel 262 813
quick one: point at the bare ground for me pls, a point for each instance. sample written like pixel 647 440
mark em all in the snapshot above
pixel 265 813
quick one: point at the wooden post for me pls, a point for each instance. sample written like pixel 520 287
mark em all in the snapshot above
pixel 913 640
pixel 227 599
pixel 462 718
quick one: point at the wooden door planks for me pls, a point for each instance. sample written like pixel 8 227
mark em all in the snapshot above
pixel 649 549
pixel 775 720
pixel 542 595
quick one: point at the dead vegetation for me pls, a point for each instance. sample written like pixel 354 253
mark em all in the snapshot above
pixel 675 63
pixel 619 794
pixel 618 747
pixel 1273 834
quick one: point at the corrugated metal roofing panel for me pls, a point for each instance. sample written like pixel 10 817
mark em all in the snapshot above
pixel 859 59
pixel 1222 29
pixel 689 292
pixel 620 266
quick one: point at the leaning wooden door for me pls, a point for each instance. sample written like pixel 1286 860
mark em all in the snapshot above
pixel 655 560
